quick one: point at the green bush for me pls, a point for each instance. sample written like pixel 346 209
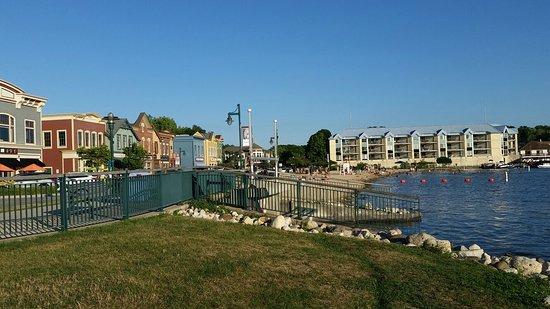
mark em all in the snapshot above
pixel 208 206
pixel 444 160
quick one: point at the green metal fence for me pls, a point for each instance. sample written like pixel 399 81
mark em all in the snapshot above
pixel 299 198
pixel 355 184
pixel 32 205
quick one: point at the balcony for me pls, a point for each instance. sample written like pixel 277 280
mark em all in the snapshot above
pixel 376 156
pixel 376 141
pixel 401 141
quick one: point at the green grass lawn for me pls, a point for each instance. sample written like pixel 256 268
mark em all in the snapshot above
pixel 173 261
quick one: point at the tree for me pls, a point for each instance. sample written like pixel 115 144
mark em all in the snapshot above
pixel 164 123
pixel 527 134
pixel 293 156
pixel 231 156
pixel 361 166
pixel 444 160
pixel 95 158
pixel 317 148
pixel 190 131
pixel 134 157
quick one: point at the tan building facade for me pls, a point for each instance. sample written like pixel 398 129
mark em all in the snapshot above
pixel 212 148
pixel 470 145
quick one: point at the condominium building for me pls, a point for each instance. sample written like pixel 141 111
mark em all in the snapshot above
pixel 466 145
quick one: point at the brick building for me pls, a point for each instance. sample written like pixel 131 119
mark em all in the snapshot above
pixel 63 134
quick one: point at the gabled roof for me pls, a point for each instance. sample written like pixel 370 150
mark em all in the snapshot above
pixel 143 117
pixel 121 123
pixel 537 145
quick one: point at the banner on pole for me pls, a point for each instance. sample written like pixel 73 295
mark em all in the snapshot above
pixel 245 130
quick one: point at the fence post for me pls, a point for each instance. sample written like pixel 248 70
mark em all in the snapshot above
pixel 159 189
pixel 245 190
pixel 125 196
pixel 182 174
pixel 222 180
pixel 355 197
pixel 63 198
pixel 299 198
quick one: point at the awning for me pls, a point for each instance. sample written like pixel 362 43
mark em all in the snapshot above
pixel 4 168
pixel 32 168
pixel 20 164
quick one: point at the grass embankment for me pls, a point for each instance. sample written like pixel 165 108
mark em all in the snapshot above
pixel 173 261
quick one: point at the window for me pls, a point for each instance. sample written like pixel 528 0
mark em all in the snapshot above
pixel 124 141
pixel 7 128
pixel 47 139
pixel 100 138
pixel 94 139
pixel 30 136
pixel 62 139
pixel 118 141
pixel 79 138
pixel 86 139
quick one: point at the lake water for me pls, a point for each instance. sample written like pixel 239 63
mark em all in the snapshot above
pixel 502 217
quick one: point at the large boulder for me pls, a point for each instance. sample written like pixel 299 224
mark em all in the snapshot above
pixel 248 221
pixel 511 271
pixel 419 238
pixel 547 301
pixel 437 244
pixel 546 268
pixel 501 265
pixel 279 222
pixel 470 253
pixel 309 224
pixel 485 259
pixel 394 232
pixel 261 220
pixel 526 266
pixel 343 231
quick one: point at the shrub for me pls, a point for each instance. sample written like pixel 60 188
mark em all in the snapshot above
pixel 208 206
pixel 444 160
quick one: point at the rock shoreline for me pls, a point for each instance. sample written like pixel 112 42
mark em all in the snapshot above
pixel 520 265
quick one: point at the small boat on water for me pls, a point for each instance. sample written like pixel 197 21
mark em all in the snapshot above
pixel 544 165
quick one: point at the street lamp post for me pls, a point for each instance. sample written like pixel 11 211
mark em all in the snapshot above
pixel 229 121
pixel 251 146
pixel 111 124
pixel 275 141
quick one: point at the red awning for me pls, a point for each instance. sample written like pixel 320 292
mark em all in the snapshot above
pixel 4 168
pixel 32 168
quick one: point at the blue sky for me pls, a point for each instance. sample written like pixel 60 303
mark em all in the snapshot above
pixel 309 64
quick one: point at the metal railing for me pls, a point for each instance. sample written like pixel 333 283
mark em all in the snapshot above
pixel 300 198
pixel 341 182
pixel 31 205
